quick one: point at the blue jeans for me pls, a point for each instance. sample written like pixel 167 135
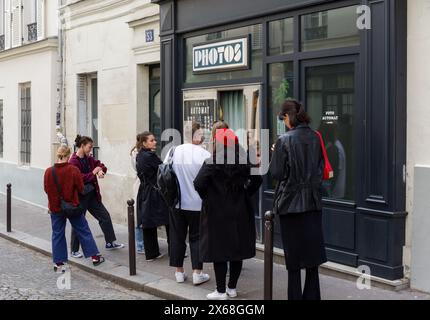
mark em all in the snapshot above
pixel 59 244
pixel 139 239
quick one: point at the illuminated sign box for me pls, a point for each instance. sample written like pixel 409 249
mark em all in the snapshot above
pixel 221 56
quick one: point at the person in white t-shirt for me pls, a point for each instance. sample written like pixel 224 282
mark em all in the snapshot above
pixel 187 159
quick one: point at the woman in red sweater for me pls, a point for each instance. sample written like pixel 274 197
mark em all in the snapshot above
pixel 70 185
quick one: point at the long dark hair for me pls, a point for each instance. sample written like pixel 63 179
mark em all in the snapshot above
pixel 82 141
pixel 296 112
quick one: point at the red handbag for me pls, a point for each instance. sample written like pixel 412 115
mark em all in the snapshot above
pixel 328 170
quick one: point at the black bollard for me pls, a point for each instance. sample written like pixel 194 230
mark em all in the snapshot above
pixel 268 255
pixel 131 238
pixel 9 208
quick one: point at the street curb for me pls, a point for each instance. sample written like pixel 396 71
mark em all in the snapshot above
pixel 340 271
pixel 119 274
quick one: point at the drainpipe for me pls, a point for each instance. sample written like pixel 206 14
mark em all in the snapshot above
pixel 61 114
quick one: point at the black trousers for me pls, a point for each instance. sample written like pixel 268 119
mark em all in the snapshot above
pixel 311 290
pixel 220 269
pixel 150 240
pixel 182 222
pixel 98 211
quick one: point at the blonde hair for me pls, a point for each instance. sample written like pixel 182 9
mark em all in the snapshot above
pixel 63 152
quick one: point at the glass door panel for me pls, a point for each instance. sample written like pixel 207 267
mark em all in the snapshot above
pixel 330 101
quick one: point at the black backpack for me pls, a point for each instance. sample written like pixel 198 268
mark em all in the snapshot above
pixel 167 182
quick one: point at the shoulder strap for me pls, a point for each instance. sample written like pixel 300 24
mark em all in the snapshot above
pixel 170 160
pixel 57 184
pixel 322 145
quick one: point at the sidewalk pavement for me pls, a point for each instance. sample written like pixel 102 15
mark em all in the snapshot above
pixel 31 227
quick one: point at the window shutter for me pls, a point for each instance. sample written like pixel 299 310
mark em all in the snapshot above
pixel 40 19
pixel 82 105
pixel 16 28
pixel 7 25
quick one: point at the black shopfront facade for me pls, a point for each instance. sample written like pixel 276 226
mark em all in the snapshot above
pixel 238 60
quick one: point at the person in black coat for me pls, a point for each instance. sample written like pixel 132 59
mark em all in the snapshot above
pixel 227 222
pixel 152 211
pixel 297 164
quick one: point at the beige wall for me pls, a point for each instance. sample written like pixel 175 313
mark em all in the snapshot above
pixel 418 95
pixel 36 64
pixel 108 38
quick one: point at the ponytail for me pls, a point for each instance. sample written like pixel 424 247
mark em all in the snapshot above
pixel 302 116
pixel 82 140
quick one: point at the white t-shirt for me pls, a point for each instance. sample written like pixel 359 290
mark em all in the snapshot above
pixel 187 160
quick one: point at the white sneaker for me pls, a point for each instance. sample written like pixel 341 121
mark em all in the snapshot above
pixel 76 255
pixel 199 278
pixel 232 293
pixel 217 296
pixel 180 277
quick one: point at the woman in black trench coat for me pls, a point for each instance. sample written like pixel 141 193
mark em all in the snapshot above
pixel 227 222
pixel 151 209
pixel 297 164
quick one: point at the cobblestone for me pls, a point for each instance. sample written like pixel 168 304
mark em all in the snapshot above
pixel 28 275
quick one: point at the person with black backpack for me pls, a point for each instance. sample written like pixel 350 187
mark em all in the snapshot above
pixel 152 211
pixel 186 161
pixel 63 183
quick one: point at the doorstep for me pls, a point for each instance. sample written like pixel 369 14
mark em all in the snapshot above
pixel 340 271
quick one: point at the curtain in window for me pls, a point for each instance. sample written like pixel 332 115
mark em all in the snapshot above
pixel 233 110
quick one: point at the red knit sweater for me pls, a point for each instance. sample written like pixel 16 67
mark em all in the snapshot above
pixel 71 183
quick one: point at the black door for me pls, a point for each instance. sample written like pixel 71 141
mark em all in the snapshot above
pixel 329 90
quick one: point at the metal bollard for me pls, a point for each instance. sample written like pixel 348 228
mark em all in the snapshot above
pixel 9 208
pixel 268 255
pixel 131 238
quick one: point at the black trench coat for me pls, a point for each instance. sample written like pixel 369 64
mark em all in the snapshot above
pixel 227 221
pixel 151 209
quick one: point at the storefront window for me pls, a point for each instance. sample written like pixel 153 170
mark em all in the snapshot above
pixel 281 82
pixel 256 56
pixel 281 35
pixel 330 102
pixel 329 29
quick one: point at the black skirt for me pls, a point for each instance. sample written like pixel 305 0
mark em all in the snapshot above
pixel 303 240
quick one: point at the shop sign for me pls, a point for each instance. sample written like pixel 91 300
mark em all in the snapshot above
pixel 202 112
pixel 221 56
pixel 330 117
